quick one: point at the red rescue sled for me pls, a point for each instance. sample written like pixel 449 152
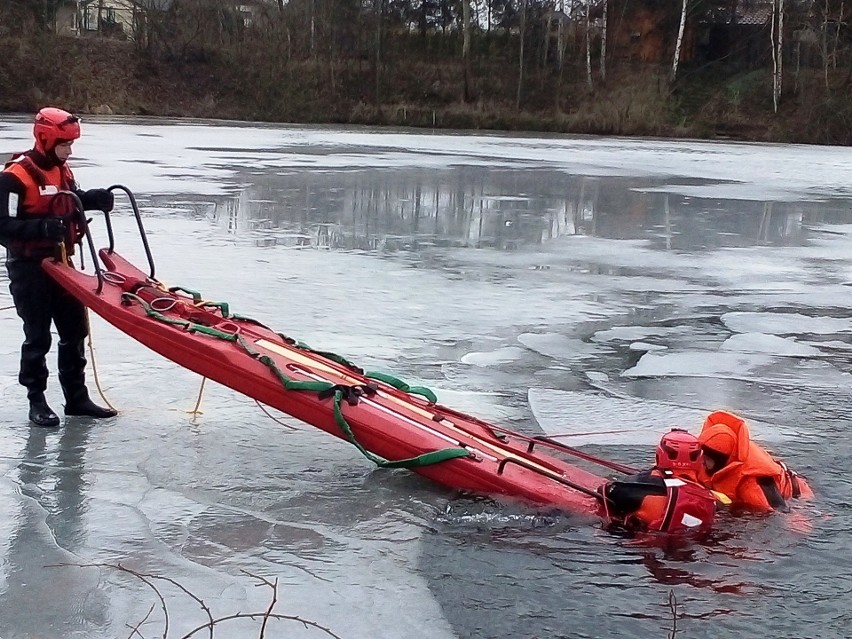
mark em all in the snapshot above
pixel 383 417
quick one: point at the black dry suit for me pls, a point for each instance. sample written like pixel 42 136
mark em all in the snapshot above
pixel 38 299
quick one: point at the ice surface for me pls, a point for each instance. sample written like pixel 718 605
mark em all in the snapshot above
pixel 786 323
pixel 167 157
pixel 597 318
pixel 586 418
pixel 770 344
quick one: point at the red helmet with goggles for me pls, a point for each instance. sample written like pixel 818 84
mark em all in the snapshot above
pixel 679 450
pixel 53 127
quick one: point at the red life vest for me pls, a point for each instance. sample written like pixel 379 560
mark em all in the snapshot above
pixel 39 201
pixel 658 501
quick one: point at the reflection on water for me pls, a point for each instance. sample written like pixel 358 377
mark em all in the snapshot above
pixel 51 529
pixel 498 208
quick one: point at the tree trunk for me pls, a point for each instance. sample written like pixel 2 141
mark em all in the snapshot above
pixel 780 53
pixel 545 44
pixel 837 34
pixel 378 72
pixel 313 28
pixel 589 47
pixel 521 54
pixel 681 28
pixel 825 57
pixel 560 36
pixel 777 34
pixel 603 40
pixel 466 48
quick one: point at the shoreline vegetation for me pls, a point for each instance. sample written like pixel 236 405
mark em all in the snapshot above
pixel 344 64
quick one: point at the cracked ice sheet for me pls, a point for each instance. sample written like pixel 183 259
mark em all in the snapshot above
pixel 615 421
pixel 559 346
pixel 755 368
pixel 771 344
pixel 785 323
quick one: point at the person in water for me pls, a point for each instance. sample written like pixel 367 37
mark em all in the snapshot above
pixel 666 498
pixel 738 467
pixel 45 218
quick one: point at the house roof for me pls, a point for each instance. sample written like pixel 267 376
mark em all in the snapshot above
pixel 754 14
pixel 161 5
pixel 746 12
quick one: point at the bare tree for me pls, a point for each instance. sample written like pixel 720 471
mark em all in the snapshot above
pixel 830 46
pixel 380 5
pixel 603 40
pixel 680 30
pixel 826 58
pixel 466 47
pixel 777 35
pixel 560 36
pixel 545 41
pixel 521 54
pixel 312 25
pixel 589 45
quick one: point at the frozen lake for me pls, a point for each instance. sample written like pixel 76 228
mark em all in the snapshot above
pixel 609 288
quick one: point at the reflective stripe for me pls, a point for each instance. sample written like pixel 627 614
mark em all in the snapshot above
pixel 670 508
pixel 689 521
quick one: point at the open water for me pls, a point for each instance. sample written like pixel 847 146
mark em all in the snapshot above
pixel 550 284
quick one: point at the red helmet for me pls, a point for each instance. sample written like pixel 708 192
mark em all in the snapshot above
pixel 679 450
pixel 52 127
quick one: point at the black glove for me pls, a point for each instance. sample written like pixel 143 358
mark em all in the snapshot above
pixel 53 229
pixel 99 199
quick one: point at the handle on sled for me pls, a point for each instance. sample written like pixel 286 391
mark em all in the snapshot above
pixel 142 234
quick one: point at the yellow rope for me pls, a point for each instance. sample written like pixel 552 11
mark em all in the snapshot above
pixel 94 362
pixel 195 410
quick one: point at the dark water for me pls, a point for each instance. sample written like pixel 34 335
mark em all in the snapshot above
pixel 544 283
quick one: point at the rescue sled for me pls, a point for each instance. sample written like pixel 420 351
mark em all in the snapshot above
pixel 391 423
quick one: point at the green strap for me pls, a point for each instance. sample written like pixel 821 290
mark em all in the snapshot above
pixel 196 296
pixel 426 459
pixel 401 385
pixel 191 327
pixel 222 306
pixel 212 332
pixel 334 357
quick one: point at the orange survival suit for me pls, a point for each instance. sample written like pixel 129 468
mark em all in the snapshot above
pixel 744 471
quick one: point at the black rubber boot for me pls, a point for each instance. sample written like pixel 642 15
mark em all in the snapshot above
pixel 88 408
pixel 79 404
pixel 41 414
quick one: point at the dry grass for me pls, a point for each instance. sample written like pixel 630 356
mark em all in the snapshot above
pixel 257 81
pixel 638 106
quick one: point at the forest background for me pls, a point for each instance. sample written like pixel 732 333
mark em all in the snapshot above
pixel 768 70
